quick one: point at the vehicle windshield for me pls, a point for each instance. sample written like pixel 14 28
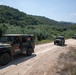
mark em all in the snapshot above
pixel 5 39
pixel 74 34
pixel 58 37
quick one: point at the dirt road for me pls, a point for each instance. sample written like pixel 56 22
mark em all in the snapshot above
pixel 42 62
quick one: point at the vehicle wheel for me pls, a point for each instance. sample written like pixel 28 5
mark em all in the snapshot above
pixel 60 43
pixel 29 52
pixel 63 43
pixel 54 43
pixel 5 58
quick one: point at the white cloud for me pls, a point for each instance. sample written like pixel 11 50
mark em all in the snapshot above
pixel 73 14
pixel 1 3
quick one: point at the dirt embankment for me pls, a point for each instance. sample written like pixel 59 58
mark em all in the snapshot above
pixel 42 62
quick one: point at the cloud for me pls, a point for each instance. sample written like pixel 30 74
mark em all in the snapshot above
pixel 73 14
pixel 1 3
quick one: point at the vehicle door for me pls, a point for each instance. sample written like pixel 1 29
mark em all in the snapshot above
pixel 16 45
pixel 23 44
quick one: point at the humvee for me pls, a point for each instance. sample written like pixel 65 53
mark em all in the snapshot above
pixel 60 40
pixel 74 36
pixel 12 44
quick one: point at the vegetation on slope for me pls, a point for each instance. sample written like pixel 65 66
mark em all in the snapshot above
pixel 18 18
pixel 14 21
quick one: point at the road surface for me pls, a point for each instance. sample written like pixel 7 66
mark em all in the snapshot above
pixel 42 62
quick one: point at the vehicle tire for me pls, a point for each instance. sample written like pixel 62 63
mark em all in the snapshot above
pixel 29 52
pixel 60 43
pixel 5 58
pixel 63 43
pixel 54 43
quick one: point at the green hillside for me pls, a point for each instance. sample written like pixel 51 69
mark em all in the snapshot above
pixel 47 21
pixel 45 29
pixel 18 18
pixel 15 17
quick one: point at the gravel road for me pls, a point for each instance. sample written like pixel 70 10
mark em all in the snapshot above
pixel 42 62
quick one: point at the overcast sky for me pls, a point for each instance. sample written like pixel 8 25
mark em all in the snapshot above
pixel 59 10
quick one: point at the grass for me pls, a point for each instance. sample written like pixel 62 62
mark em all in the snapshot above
pixel 43 41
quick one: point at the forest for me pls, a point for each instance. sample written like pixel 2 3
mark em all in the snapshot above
pixel 13 21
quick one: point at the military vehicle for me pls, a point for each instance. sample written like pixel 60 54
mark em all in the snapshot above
pixel 74 36
pixel 59 40
pixel 12 44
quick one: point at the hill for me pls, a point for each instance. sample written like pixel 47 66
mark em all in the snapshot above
pixel 14 21
pixel 15 17
pixel 47 21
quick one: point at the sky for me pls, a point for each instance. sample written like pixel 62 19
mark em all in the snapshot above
pixel 59 10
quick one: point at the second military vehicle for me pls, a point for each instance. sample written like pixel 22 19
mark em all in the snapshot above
pixel 60 40
pixel 74 36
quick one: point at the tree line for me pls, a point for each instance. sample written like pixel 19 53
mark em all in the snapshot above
pixel 40 32
pixel 13 21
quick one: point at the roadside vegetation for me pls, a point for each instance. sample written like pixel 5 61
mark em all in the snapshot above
pixel 67 63
pixel 42 33
pixel 13 21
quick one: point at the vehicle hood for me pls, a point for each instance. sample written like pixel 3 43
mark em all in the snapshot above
pixel 58 40
pixel 74 36
pixel 4 45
